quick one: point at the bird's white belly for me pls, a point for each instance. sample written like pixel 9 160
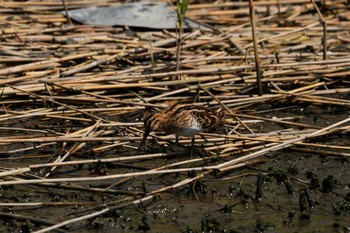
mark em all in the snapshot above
pixel 191 131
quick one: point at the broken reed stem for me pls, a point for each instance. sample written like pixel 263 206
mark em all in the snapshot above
pixel 280 146
pixel 69 21
pixel 76 146
pixel 321 152
pixel 68 163
pixel 219 167
pixel 275 120
pixel 107 177
pixel 64 223
pixel 108 74
pixel 37 204
pixel 56 102
pixel 256 50
pixel 324 25
pixel 201 71
pixel 21 217
pixel 149 196
pixel 261 138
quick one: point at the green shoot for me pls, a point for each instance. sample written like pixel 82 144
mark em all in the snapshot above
pixel 181 8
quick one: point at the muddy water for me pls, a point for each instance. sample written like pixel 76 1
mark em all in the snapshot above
pixel 231 205
pixel 224 203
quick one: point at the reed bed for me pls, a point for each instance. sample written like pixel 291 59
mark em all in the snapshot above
pixel 74 96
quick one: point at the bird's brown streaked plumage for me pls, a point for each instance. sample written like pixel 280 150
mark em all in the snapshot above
pixel 182 120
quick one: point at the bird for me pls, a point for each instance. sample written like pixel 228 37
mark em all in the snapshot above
pixel 182 119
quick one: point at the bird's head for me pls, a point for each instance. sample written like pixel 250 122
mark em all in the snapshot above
pixel 151 122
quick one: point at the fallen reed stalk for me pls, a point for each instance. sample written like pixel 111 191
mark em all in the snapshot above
pixel 73 98
pixel 219 167
pixel 324 25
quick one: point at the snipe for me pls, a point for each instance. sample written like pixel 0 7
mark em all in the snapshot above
pixel 182 120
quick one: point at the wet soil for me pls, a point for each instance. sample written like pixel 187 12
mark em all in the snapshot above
pixel 291 191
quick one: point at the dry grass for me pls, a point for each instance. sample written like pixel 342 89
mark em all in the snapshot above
pixel 74 89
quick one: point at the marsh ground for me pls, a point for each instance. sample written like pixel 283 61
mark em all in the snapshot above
pixel 290 191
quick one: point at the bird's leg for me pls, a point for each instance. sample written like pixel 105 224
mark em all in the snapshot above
pixel 176 139
pixel 202 145
pixel 192 146
pixel 226 133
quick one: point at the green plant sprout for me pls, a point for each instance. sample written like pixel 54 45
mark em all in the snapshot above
pixel 181 8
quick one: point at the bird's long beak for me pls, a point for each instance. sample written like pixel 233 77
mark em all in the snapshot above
pixel 145 135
